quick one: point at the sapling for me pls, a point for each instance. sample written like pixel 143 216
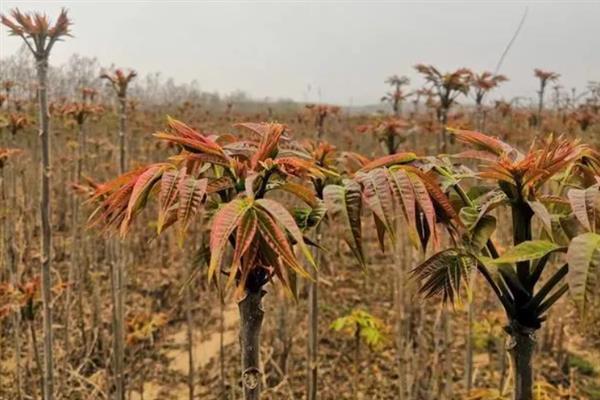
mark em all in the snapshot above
pixel 319 113
pixel 446 87
pixel 229 179
pixel 17 122
pixel 362 327
pixel 78 113
pixel 40 36
pixel 396 191
pixel 518 182
pixel 544 77
pixel 7 86
pixel 482 84
pixel 324 156
pixel 7 153
pixel 24 300
pixel 397 96
pixel 120 81
pixel 390 132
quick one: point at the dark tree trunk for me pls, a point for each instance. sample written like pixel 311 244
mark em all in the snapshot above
pixel 521 220
pixel 251 318
pixel 520 347
pixel 391 145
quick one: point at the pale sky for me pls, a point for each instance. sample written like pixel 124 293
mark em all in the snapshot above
pixel 347 49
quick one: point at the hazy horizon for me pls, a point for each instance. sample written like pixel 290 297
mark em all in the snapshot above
pixel 342 51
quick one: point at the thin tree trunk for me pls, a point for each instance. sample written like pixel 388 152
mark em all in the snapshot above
pixel 480 116
pixel 222 344
pixel 521 346
pixel 401 318
pixel 122 135
pixel 190 338
pixel 36 356
pixel 118 273
pixel 10 258
pixel 118 340
pixel 435 388
pixel 251 317
pixel 76 250
pixel 46 239
pixel 444 134
pixel 469 355
pixel 284 339
pixel 502 364
pixel 540 104
pixel 313 324
pixel 121 318
pixel 447 366
pixel 357 333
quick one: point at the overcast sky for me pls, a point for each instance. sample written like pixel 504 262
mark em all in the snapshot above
pixel 344 50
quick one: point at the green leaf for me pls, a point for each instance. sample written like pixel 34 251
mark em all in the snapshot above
pixel 308 218
pixel 583 257
pixel 541 212
pixel 470 216
pixel 525 251
pixel 482 232
pixel 344 204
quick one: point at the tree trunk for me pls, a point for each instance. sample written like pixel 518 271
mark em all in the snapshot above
pixel 469 352
pixel 479 116
pixel 251 318
pixel 36 355
pixel 221 345
pixel 10 259
pixel 520 347
pixel 118 338
pixel 390 145
pixel 42 75
pixel 190 337
pixel 122 137
pixel 75 261
pixel 447 366
pixel 285 340
pixel 313 322
pixel 540 104
pixel 443 133
pixel 118 273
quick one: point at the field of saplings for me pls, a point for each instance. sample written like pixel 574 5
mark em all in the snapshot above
pixel 160 242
